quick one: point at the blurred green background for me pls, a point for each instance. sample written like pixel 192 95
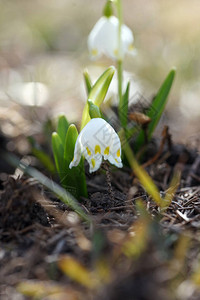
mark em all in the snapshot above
pixel 46 41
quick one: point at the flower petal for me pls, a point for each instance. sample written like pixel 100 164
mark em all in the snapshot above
pixel 97 139
pixel 109 37
pixel 115 161
pixel 95 163
pixel 103 39
pixel 93 39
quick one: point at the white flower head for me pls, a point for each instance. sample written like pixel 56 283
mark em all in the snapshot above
pixel 96 140
pixel 103 39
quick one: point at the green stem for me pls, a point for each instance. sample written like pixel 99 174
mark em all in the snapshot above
pixel 120 61
pixel 120 80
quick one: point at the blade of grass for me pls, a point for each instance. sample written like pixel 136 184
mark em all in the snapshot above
pixel 146 180
pixel 172 188
pixel 143 176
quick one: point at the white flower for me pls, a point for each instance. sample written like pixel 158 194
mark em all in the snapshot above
pixel 96 140
pixel 103 39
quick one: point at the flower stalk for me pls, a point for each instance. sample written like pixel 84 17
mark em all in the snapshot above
pixel 120 61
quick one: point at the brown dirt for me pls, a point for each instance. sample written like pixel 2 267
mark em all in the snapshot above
pixel 36 229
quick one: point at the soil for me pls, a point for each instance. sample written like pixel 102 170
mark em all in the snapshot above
pixel 37 231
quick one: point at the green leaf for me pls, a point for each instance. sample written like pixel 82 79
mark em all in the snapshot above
pixel 156 109
pixel 62 127
pixel 70 141
pixel 69 177
pixel 98 93
pixel 81 179
pixel 100 88
pixel 88 81
pixel 159 102
pixel 124 110
pixel 73 179
pixel 58 152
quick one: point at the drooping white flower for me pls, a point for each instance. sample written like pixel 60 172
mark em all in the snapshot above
pixel 103 39
pixel 96 140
